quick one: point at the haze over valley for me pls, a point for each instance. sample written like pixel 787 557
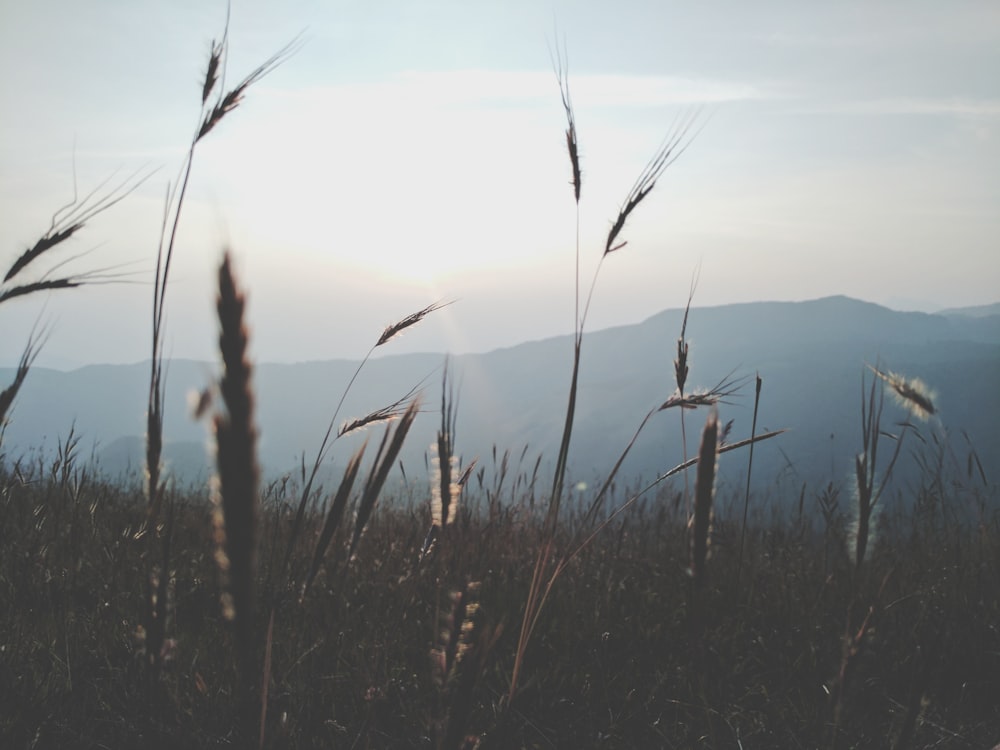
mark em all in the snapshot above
pixel 811 357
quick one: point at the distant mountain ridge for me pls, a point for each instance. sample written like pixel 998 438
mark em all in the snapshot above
pixel 979 311
pixel 811 356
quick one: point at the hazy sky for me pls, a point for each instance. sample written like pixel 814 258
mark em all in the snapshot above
pixel 411 152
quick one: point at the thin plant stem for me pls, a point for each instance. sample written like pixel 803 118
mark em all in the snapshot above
pixel 746 499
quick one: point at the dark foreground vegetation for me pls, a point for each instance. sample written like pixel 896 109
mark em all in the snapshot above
pixel 798 650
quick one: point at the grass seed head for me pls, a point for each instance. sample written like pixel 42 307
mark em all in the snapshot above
pixel 911 393
pixel 572 144
pixel 704 493
pixel 212 70
pixel 394 329
pixel 238 473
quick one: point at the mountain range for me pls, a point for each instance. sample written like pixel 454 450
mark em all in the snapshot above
pixel 812 358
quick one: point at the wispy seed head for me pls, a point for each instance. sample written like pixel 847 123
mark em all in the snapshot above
pixel 912 393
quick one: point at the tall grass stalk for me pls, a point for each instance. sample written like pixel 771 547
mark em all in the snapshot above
pixel 917 400
pixel 235 489
pixel 681 370
pixel 238 473
pixel 236 528
pixel 448 478
pixel 671 148
pixel 212 112
pixel 868 485
pixel 590 528
pixel 746 498
pixel 704 492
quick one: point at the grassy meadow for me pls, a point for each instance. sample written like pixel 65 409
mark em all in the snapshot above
pixel 627 653
pixel 477 606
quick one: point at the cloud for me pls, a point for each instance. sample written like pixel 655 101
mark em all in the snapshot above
pixel 944 107
pixel 473 87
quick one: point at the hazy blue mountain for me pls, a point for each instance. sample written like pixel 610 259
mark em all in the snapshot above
pixel 811 356
pixel 980 311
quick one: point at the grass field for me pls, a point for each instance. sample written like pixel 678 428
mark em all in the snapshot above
pixel 622 657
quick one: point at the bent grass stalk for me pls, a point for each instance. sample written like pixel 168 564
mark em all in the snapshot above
pixel 388 413
pixel 711 397
pixel 65 223
pixel 385 459
pixel 911 393
pixel 35 341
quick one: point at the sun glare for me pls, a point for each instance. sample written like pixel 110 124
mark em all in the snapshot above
pixel 438 192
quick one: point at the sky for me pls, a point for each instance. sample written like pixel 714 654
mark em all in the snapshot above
pixel 409 153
